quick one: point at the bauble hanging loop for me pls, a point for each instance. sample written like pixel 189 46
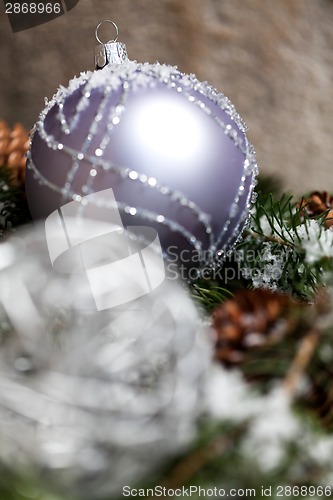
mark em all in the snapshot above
pixel 112 52
pixel 100 24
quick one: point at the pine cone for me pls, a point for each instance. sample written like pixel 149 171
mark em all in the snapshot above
pixel 252 318
pixel 318 203
pixel 14 143
pixel 262 333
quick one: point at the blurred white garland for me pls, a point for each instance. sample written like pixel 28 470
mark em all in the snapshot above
pixel 93 400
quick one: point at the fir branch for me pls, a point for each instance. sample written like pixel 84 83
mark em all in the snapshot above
pixel 214 443
pixel 13 205
pixel 289 243
pixel 272 239
pixel 301 361
pixel 193 463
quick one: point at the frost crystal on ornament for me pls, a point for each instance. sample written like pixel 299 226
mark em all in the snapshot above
pixel 93 400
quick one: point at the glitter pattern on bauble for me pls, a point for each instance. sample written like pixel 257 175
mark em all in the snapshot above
pixel 92 401
pixel 172 148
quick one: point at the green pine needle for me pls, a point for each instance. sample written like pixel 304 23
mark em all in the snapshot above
pixel 209 295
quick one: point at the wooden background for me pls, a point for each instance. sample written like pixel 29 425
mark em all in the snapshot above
pixel 272 58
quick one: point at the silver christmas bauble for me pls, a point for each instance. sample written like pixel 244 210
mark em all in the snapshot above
pixel 172 148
